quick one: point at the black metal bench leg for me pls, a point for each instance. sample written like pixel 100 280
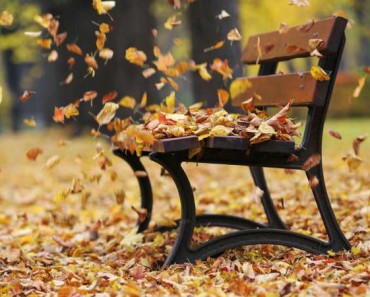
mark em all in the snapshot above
pixel 337 240
pixel 144 184
pixel 181 251
pixel 274 220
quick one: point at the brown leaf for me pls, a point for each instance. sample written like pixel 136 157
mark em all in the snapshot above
pixel 110 96
pixel 335 134
pixel 142 213
pixel 311 162
pixel 314 181
pixel 27 95
pixel 357 142
pixel 74 48
pixel 33 153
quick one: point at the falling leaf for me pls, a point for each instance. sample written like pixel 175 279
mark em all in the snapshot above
pixel 299 3
pixel 89 95
pixel 234 35
pixel 109 96
pixel 312 161
pixel 52 161
pixel 53 27
pixel 58 115
pixel 102 7
pixel 238 87
pixel 222 67
pixel 135 56
pixel 44 43
pixel 164 61
pixel 107 113
pixel 357 142
pixel 223 97
pixel 172 22
pixel 101 39
pixel 53 56
pixel 335 134
pixel 314 182
pixel 203 72
pixel 33 153
pixel 319 74
pixel 77 186
pixel 283 28
pixel 128 102
pixel 27 95
pixel 60 38
pixel 33 34
pixel 357 91
pixel 223 14
pixel 91 62
pixel 6 18
pixel 353 161
pixel 68 79
pixel 106 54
pixel 74 48
pixel 30 122
pixel 215 46
pixel 71 111
pixel 247 105
pixel 316 53
pixel 148 72
pixel 71 62
pixel 144 100
pixel 44 20
pixel 170 103
pixel 104 28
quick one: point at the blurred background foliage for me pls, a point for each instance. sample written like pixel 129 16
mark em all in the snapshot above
pixel 23 64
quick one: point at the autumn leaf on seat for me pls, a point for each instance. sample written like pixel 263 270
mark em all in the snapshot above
pixel 319 74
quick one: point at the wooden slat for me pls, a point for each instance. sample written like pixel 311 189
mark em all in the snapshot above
pixel 174 144
pixel 241 143
pixel 279 89
pixel 275 46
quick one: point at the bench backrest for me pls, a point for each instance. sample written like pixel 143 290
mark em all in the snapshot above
pixel 269 49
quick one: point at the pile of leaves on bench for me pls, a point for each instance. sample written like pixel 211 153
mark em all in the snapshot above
pixel 166 121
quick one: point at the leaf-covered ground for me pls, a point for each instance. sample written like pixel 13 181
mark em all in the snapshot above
pixel 67 227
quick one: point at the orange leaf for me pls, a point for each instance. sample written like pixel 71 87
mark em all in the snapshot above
pixel 312 161
pixel 58 115
pixel 144 100
pixel 91 62
pixel 89 95
pixel 215 46
pixel 27 95
pixel 74 48
pixel 223 97
pixel 110 96
pixel 135 56
pixel 319 74
pixel 44 43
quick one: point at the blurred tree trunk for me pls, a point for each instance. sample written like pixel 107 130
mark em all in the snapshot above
pixel 132 27
pixel 207 30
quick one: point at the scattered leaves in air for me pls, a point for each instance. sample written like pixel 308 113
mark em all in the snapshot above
pixel 128 102
pixel 27 95
pixel 45 43
pixel 89 95
pixel 223 97
pixel 135 56
pixel 215 46
pixel 106 54
pixel 109 96
pixel 238 87
pixel 58 115
pixel 222 67
pixel 357 91
pixel 335 134
pixel 33 153
pixel 52 161
pixel 102 7
pixel 357 142
pixel 319 74
pixel 6 18
pixel 74 48
pixel 53 56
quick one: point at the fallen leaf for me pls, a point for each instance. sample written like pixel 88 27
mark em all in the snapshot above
pixel 222 67
pixel 283 28
pixel 104 28
pixel 91 62
pixel 68 80
pixel 60 38
pixel 102 7
pixel 71 111
pixel 148 72
pixel 357 91
pixel 203 72
pixel 33 34
pixel 144 100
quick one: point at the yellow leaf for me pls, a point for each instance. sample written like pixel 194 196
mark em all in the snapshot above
pixel 102 7
pixel 128 102
pixel 223 97
pixel 319 74
pixel 107 113
pixel 220 130
pixel 144 100
pixel 104 28
pixel 164 61
pixel 234 35
pixel 29 122
pixel 203 72
pixel 52 161
pixel 331 253
pixel 222 67
pixel 239 86
pixel 172 22
pixel 6 18
pixel 360 86
pixel 135 56
pixel 60 196
pixel 215 46
pixel 44 43
pixel 70 111
pixel 355 251
pixel 170 103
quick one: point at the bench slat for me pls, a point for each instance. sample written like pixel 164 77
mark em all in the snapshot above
pixel 241 143
pixel 279 89
pixel 174 144
pixel 275 46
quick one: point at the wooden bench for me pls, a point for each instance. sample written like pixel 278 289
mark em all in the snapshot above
pixel 275 90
